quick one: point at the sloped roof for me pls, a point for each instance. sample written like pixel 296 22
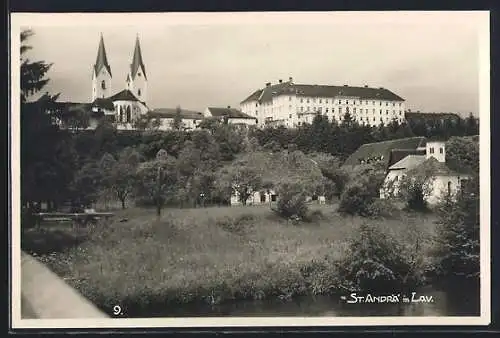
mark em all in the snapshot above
pixel 430 116
pixel 137 60
pixel 171 113
pixel 229 112
pixel 102 59
pixel 124 95
pixel 434 167
pixel 383 149
pixel 399 154
pixel 103 103
pixel 409 162
pixel 266 94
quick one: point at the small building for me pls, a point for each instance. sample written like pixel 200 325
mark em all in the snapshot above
pixel 230 116
pixel 189 119
pixel 442 180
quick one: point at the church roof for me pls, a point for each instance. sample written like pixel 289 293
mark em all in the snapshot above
pixel 124 95
pixel 137 61
pixel 409 162
pixel 102 60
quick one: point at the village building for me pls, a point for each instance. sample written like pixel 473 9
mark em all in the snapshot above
pixel 230 116
pixel 290 105
pixel 411 155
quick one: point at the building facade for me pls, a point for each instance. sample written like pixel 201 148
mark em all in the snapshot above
pixel 291 105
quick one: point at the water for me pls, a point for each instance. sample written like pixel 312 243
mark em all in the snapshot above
pixel 452 300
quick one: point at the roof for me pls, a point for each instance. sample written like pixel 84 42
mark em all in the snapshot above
pixel 171 112
pixel 409 162
pixel 430 116
pixel 103 103
pixel 383 149
pixel 399 154
pixel 102 60
pixel 288 88
pixel 229 112
pixel 434 167
pixel 124 95
pixel 137 60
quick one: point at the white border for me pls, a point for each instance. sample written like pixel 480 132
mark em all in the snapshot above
pixel 19 20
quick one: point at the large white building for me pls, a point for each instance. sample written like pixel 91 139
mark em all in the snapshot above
pixel 290 104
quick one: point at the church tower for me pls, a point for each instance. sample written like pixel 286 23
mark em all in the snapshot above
pixel 137 81
pixel 101 74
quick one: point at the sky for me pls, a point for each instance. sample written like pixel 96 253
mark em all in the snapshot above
pixel 199 59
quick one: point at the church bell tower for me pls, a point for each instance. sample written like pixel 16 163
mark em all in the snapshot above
pixel 137 81
pixel 101 74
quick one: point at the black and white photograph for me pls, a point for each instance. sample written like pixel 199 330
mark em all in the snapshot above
pixel 250 169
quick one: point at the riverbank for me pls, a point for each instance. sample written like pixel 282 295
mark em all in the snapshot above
pixel 215 255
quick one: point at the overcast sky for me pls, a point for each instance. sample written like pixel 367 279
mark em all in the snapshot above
pixel 431 60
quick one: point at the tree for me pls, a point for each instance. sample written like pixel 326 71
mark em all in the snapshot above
pixel 177 123
pixel 122 175
pixel 48 159
pixel 87 183
pixel 240 179
pixel 156 180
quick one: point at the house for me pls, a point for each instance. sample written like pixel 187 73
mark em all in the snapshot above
pixel 257 198
pixel 280 103
pixel 442 181
pixel 230 116
pixel 189 119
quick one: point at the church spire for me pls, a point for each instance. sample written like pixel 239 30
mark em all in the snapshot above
pixel 137 60
pixel 101 60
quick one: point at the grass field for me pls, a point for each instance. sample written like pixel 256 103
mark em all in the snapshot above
pixel 208 254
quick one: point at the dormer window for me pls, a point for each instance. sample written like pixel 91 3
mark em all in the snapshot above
pixel 103 84
pixel 139 74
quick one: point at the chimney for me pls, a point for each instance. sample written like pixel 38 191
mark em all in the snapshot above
pixel 268 84
pixel 280 81
pixel 290 79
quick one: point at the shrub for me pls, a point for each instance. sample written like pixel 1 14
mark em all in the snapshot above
pixel 355 200
pixel 292 201
pixel 382 208
pixel 376 262
pixel 237 225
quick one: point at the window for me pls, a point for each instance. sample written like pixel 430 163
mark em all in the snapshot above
pixel 346 102
pixel 301 108
pixel 290 116
pixel 373 119
pixel 373 110
pixel 431 150
pixel 441 150
pixel 103 84
pixel 314 100
pixel 400 113
pixel 373 102
pixel 326 101
pixel 256 105
pixel 340 110
pixel 319 109
pixel 289 98
pixel 129 117
pixel 380 111
pixel 301 100
pixel 386 104
pixel 386 112
pixel 139 92
pixel 319 100
pixel 139 74
pixel 326 110
pixel 354 111
pixel 400 104
pixel 307 100
pixel 366 102
pixel 380 102
pixel 449 188
pixel 340 101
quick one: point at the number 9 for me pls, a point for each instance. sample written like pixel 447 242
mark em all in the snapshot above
pixel 117 310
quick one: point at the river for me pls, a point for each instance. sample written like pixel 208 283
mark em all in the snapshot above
pixel 452 300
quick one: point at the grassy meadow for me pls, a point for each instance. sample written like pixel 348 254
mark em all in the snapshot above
pixel 208 255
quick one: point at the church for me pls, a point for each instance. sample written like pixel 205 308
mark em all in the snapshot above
pixel 126 106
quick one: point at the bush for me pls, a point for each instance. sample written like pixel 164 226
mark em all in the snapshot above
pixel 376 262
pixel 356 200
pixel 292 201
pixel 382 208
